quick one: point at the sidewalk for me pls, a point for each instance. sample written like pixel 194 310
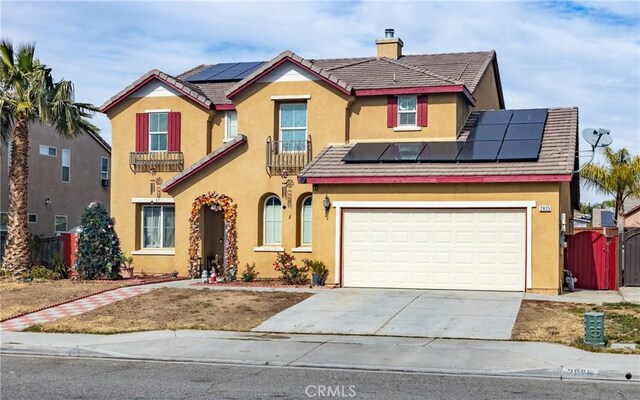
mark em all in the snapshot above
pixel 449 356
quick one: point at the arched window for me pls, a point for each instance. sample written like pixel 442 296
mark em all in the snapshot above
pixel 306 219
pixel 272 221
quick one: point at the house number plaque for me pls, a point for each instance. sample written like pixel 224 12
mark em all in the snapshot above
pixel 544 209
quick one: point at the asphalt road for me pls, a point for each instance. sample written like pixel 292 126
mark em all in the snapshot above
pixel 28 377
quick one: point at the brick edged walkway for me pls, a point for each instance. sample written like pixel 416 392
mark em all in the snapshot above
pixel 73 308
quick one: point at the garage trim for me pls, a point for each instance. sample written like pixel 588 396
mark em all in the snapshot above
pixel 340 206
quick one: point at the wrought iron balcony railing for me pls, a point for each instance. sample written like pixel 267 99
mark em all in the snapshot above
pixel 161 161
pixel 288 156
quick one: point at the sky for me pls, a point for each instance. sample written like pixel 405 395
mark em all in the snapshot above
pixel 550 54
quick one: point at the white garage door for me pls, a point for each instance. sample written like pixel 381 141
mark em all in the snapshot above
pixel 468 249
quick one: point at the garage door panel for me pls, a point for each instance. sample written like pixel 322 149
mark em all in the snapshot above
pixel 434 249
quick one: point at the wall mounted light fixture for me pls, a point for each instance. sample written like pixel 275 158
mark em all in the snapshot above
pixel 47 201
pixel 326 203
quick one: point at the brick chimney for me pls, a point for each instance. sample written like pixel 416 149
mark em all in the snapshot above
pixel 390 46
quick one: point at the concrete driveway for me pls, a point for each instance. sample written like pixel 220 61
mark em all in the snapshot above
pixel 391 312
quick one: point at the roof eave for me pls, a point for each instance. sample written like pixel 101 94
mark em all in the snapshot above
pixel 178 179
pixel 108 105
pixel 418 90
pixel 287 58
pixel 341 180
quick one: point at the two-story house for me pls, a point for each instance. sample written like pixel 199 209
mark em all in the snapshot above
pixel 400 171
pixel 65 175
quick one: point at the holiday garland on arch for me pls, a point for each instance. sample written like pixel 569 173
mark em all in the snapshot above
pixel 216 202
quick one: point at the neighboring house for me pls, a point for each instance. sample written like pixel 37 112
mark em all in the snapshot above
pixel 383 167
pixel 603 218
pixel 581 220
pixel 632 212
pixel 65 175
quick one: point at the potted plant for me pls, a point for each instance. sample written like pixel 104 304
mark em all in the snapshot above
pixel 319 271
pixel 126 269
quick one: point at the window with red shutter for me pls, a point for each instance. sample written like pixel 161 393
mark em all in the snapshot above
pixel 422 110
pixel 142 133
pixel 392 112
pixel 174 132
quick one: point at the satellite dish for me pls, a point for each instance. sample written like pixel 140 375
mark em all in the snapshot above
pixel 597 138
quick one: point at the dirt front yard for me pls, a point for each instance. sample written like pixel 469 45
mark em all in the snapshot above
pixel 556 322
pixel 179 309
pixel 17 298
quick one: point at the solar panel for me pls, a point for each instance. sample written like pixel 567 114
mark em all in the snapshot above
pixel 529 116
pixel 488 132
pixel 237 71
pixel 440 151
pixel 479 151
pixel 524 131
pixel 519 150
pixel 495 117
pixel 365 152
pixel 226 72
pixel 402 152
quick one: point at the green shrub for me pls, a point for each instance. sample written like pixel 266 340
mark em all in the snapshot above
pixel 40 272
pixel 316 267
pixel 250 274
pixel 291 273
pixel 98 253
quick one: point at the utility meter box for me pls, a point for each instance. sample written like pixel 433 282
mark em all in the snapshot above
pixel 594 328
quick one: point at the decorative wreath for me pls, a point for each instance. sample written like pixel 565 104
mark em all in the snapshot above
pixel 216 202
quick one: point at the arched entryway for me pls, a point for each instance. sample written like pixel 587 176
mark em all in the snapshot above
pixel 219 203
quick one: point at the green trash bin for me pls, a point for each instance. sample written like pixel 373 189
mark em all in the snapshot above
pixel 594 328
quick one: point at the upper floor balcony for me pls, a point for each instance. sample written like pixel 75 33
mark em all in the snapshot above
pixel 156 161
pixel 288 156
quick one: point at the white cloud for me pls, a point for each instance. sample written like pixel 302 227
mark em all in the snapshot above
pixel 584 54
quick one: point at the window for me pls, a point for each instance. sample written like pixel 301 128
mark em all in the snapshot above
pixel 158 227
pixel 272 221
pixel 32 218
pixel 4 219
pixel 293 127
pixel 158 131
pixel 66 165
pixel 61 223
pixel 306 221
pixel 48 151
pixel 104 167
pixel 231 125
pixel 407 110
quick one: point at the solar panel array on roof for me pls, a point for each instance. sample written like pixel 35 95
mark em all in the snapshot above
pixel 366 152
pixel 402 152
pixel 501 135
pixel 440 151
pixel 224 72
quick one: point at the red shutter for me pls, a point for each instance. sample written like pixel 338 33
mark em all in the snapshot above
pixel 422 110
pixel 174 132
pixel 392 112
pixel 142 132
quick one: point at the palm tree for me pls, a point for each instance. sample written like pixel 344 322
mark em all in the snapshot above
pixel 618 177
pixel 29 94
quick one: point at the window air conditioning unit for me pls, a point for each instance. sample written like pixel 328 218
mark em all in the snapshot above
pixel 105 182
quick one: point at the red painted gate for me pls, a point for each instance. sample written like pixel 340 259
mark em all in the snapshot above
pixel 592 258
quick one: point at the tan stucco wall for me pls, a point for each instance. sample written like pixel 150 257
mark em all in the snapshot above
pixel 369 120
pixel 486 93
pixel 125 185
pixel 546 265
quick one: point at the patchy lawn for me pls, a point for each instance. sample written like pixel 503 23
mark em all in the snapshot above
pixel 179 309
pixel 555 322
pixel 17 298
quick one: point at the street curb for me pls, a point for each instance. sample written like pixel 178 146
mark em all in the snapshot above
pixel 549 373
